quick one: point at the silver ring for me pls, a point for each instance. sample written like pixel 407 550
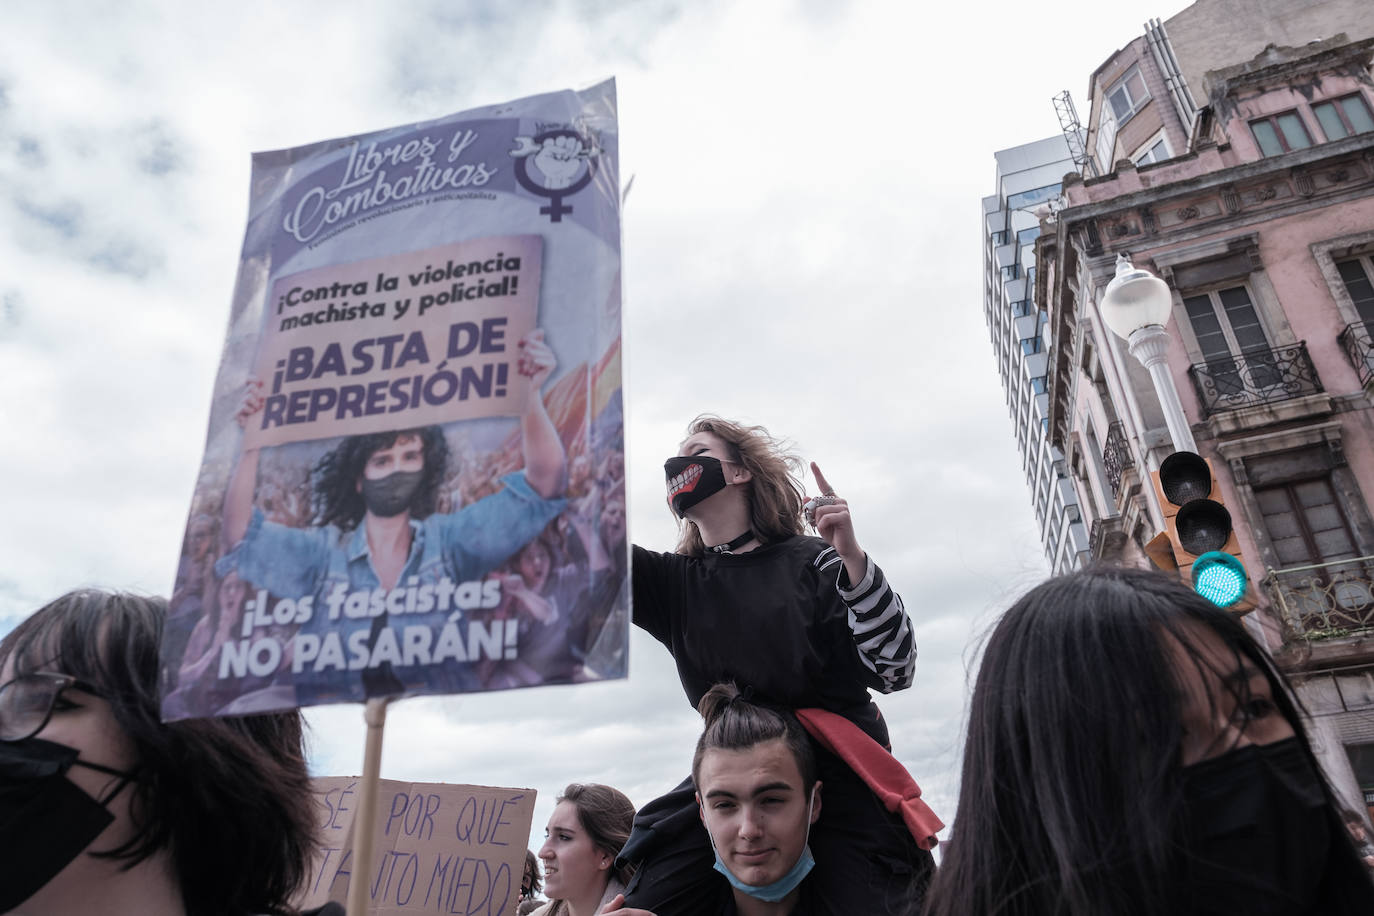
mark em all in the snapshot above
pixel 809 508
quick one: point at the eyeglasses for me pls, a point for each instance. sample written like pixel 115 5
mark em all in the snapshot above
pixel 27 701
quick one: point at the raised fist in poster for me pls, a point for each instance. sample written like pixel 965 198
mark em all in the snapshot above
pixel 559 159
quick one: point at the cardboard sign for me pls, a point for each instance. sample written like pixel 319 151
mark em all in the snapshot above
pixel 439 848
pixel 427 333
pixel 413 480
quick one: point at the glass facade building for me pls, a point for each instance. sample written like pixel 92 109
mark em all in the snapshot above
pixel 1028 180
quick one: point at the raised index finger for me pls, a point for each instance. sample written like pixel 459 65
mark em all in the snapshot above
pixel 826 488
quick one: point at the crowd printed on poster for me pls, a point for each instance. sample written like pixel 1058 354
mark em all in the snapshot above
pixel 437 848
pixel 413 480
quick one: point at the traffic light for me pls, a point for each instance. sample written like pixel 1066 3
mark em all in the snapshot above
pixel 1198 529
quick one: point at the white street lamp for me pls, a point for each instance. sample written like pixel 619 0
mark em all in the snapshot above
pixel 1136 306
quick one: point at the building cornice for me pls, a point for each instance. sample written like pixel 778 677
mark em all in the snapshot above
pixel 1279 65
pixel 1289 166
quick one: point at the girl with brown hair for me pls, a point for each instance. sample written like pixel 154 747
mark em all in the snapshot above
pixel 586 831
pixel 799 621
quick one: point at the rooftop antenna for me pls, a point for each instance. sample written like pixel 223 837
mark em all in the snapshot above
pixel 1073 134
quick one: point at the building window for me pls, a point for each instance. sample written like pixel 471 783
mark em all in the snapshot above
pixel 1358 276
pixel 999 237
pixel 1156 150
pixel 1127 96
pixel 1306 523
pixel 1362 762
pixel 1020 308
pixel 1226 325
pixel 1280 133
pixel 1342 117
pixel 1011 271
pixel 1031 345
pixel 1310 518
pixel 1038 384
pixel 1024 199
pixel 1026 236
pixel 1106 139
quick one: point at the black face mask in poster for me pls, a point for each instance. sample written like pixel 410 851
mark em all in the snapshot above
pixel 1259 832
pixel 691 479
pixel 391 495
pixel 45 819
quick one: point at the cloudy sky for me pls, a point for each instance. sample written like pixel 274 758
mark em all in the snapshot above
pixel 801 250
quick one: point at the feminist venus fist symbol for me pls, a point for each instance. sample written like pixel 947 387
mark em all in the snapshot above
pixel 559 159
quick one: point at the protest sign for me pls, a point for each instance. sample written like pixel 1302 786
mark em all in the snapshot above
pixel 438 848
pixel 413 478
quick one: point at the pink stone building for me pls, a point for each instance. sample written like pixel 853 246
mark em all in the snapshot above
pixel 1242 173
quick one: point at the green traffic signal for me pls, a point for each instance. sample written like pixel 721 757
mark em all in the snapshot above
pixel 1219 577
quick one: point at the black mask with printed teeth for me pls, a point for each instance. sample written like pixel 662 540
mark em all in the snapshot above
pixel 46 821
pixel 392 494
pixel 691 479
pixel 1259 831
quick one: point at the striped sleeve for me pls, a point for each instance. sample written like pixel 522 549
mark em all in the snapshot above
pixel 879 622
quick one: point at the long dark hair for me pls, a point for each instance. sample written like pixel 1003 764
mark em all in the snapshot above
pixel 734 722
pixel 536 883
pixel 1071 799
pixel 335 499
pixel 229 798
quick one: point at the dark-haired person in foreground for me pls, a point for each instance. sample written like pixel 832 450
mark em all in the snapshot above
pixel 1132 751
pixel 376 526
pixel 106 810
pixel 758 795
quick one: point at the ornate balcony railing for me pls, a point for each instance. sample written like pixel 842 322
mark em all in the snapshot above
pixel 1116 455
pixel 1255 377
pixel 1325 600
pixel 1358 344
pixel 1106 540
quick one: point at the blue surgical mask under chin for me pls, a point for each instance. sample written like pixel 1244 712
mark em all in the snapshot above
pixel 772 893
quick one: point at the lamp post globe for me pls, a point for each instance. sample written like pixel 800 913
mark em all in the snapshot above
pixel 1136 306
pixel 1134 299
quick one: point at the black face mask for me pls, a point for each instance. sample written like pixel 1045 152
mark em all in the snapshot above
pixel 391 495
pixel 45 819
pixel 691 479
pixel 1259 831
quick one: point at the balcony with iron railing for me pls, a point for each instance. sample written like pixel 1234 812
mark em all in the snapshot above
pixel 1116 456
pixel 1358 344
pixel 1107 540
pixel 1325 600
pixel 1255 377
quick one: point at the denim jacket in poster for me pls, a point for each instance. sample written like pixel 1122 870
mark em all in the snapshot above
pixel 462 546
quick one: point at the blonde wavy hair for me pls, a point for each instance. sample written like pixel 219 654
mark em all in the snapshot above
pixel 776 492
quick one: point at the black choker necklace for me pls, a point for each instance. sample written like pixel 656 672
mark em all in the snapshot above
pixel 729 546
